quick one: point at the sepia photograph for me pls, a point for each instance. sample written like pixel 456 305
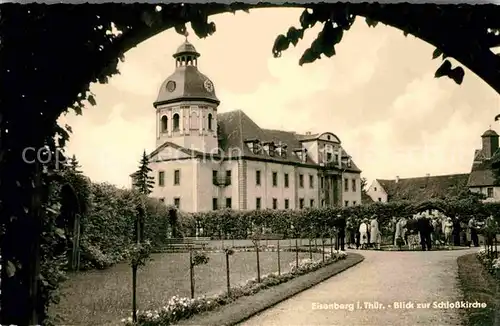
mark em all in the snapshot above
pixel 250 164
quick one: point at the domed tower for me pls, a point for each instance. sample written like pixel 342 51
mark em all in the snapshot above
pixel 186 107
pixel 490 143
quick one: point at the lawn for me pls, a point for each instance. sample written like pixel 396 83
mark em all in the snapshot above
pixel 477 285
pixel 104 297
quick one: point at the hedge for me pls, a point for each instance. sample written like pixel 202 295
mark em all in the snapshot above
pixel 317 222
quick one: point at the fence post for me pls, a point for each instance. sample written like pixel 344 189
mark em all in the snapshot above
pixel 279 259
pixel 227 275
pixel 296 253
pixel 191 271
pixel 258 263
pixel 323 248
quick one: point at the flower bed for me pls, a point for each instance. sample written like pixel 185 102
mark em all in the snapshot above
pixel 490 263
pixel 182 308
pixel 272 249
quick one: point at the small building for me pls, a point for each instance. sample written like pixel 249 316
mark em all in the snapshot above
pixel 417 189
pixel 482 178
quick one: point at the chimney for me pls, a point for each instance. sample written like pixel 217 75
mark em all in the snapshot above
pixel 397 178
pixel 427 175
pixel 308 133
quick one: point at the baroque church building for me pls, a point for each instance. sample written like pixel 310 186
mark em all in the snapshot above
pixel 205 160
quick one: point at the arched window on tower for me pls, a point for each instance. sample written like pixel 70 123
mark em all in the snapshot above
pixel 176 122
pixel 164 123
pixel 209 121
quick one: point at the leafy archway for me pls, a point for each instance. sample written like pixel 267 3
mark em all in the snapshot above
pixel 51 54
pixel 439 205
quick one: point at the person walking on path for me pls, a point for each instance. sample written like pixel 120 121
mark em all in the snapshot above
pixel 400 233
pixel 340 241
pixel 448 230
pixel 472 228
pixel 456 231
pixel 363 233
pixel 375 235
pixel 425 229
pixel 350 233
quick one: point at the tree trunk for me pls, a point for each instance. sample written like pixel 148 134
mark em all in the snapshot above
pixel 134 294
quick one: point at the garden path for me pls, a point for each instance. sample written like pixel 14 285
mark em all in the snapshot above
pixel 384 277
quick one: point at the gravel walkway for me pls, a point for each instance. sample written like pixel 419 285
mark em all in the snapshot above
pixel 384 277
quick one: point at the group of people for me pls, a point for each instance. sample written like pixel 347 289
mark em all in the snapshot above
pixel 366 234
pixel 430 229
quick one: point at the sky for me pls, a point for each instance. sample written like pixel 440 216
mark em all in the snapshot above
pixel 378 94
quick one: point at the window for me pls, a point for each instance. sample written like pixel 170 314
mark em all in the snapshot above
pixel 311 202
pixel 311 181
pixel 177 177
pixel 161 178
pixel 275 203
pixel 322 182
pixel 301 180
pixel 215 204
pixel 177 202
pixel 287 204
pixel 176 122
pixel 379 199
pixel 164 123
pixel 346 203
pixel 228 177
pixel 375 188
pixel 228 202
pixel 346 184
pixel 258 203
pixel 301 203
pixel 354 203
pixel 322 203
pixel 354 185
pixel 210 121
pixel 490 192
pixel 214 176
pixel 162 200
pixel 286 179
pixel 275 179
pixel 257 178
pixel 329 157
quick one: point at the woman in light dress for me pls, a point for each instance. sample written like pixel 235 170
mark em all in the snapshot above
pixel 448 231
pixel 363 233
pixel 375 236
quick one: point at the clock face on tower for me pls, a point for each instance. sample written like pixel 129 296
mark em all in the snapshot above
pixel 171 86
pixel 208 85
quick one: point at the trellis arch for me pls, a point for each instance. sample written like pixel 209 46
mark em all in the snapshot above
pixel 438 205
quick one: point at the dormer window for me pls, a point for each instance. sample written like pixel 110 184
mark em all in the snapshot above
pixel 301 154
pixel 270 148
pixel 254 145
pixel 283 149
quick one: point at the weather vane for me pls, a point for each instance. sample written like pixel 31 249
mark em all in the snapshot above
pixel 186 34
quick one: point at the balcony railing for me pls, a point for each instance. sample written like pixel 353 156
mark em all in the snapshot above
pixel 221 181
pixel 332 165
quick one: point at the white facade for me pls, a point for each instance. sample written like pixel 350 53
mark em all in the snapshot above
pixel 187 133
pixel 377 193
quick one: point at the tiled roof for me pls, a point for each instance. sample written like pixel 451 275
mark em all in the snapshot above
pixel 481 174
pixel 424 188
pixel 235 127
pixel 365 199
